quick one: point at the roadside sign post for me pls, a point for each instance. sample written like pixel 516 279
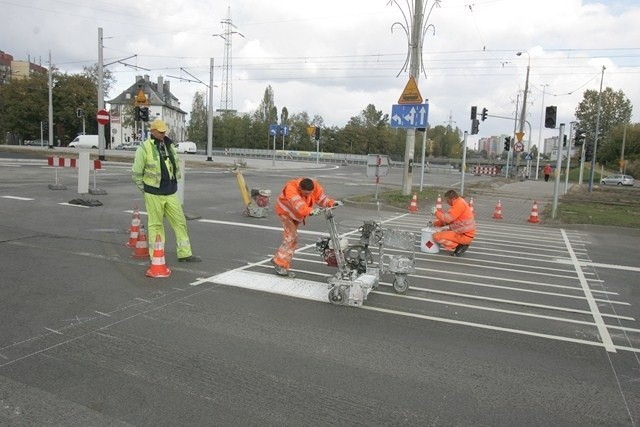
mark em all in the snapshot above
pixel 377 166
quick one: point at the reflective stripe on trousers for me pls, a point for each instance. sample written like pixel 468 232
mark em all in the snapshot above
pixel 448 240
pixel 284 253
pixel 169 206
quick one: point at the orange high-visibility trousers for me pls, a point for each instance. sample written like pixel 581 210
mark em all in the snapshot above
pixel 448 240
pixel 285 251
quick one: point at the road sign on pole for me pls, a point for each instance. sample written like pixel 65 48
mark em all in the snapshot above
pixel 410 94
pixel 103 117
pixel 409 115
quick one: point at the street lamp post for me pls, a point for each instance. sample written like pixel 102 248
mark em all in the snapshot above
pixel 524 107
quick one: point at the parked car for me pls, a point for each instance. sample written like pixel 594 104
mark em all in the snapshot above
pixel 617 180
pixel 129 146
pixel 37 142
pixel 85 141
pixel 186 147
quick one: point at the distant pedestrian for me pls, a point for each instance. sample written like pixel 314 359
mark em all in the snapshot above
pixel 547 171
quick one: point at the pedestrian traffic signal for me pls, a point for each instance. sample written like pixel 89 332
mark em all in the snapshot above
pixel 475 126
pixel 474 112
pixel 580 137
pixel 550 117
pixel 144 114
pixel 484 114
pixel 588 152
pixel 507 143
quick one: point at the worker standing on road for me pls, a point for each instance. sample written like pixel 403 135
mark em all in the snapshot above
pixel 295 203
pixel 459 219
pixel 547 171
pixel 156 171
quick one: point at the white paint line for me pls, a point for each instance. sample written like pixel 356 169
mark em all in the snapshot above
pixel 600 265
pixel 597 317
pixel 17 198
pixel 55 332
pixel 298 288
pixel 75 206
pixel 262 227
pixel 101 313
pixel 497 328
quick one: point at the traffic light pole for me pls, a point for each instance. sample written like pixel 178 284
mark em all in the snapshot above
pixel 556 183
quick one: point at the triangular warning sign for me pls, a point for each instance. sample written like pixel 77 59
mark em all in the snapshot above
pixel 410 94
pixel 519 136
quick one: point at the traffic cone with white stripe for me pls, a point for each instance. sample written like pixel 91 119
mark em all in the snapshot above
pixel 134 229
pixel 142 248
pixel 497 212
pixel 158 267
pixel 533 218
pixel 439 204
pixel 413 206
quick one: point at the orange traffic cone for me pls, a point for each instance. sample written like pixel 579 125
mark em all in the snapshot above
pixel 413 206
pixel 534 213
pixel 142 248
pixel 439 204
pixel 158 268
pixel 471 206
pixel 134 229
pixel 497 212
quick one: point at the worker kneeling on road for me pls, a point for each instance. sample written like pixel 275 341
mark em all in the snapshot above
pixel 295 203
pixel 459 219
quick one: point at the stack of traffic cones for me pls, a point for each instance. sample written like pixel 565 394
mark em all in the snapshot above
pixel 413 206
pixel 142 248
pixel 134 229
pixel 533 218
pixel 497 212
pixel 439 204
pixel 158 267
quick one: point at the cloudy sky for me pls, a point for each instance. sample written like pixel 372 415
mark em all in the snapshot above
pixel 333 58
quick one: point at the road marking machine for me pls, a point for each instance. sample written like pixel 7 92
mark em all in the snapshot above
pixel 358 273
pixel 256 201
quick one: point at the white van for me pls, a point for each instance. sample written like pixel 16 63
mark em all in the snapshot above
pixel 187 147
pixel 85 141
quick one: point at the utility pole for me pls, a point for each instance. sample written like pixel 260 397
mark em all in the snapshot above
pixel 210 114
pixel 50 126
pixel 524 108
pixel 595 137
pixel 101 139
pixel 544 86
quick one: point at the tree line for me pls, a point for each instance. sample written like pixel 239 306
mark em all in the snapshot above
pixel 24 105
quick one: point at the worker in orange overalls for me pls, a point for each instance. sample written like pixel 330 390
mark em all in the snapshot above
pixel 462 226
pixel 295 203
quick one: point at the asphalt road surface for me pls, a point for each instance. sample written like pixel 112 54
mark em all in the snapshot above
pixel 534 325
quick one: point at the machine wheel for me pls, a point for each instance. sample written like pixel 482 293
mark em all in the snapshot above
pixel 337 296
pixel 400 283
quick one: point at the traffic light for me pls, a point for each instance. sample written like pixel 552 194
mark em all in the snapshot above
pixel 484 114
pixel 550 117
pixel 564 140
pixel 45 126
pixel 79 112
pixel 136 113
pixel 317 133
pixel 588 152
pixel 580 137
pixel 475 126
pixel 474 112
pixel 144 114
pixel 507 143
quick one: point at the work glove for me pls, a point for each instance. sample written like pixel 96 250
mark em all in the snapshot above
pixel 315 212
pixel 429 223
pixel 338 203
pixel 434 210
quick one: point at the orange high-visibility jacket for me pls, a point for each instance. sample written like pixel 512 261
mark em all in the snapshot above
pixel 459 218
pixel 296 205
